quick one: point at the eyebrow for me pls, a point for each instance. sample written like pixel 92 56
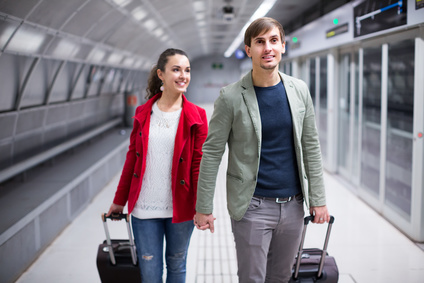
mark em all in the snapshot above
pixel 178 66
pixel 261 37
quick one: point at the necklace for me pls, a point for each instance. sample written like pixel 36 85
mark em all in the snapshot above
pixel 162 121
pixel 166 119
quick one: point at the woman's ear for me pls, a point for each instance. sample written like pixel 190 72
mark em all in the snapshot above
pixel 159 73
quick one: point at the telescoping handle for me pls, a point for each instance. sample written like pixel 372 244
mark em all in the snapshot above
pixel 119 216
pixel 324 250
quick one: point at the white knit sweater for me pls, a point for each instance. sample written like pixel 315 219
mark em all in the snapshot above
pixel 155 200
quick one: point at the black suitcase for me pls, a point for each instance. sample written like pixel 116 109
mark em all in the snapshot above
pixel 117 259
pixel 315 265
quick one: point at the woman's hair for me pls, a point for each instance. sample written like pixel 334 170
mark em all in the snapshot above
pixel 154 83
pixel 260 26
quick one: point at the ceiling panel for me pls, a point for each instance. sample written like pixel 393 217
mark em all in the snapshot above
pixel 17 8
pixel 55 13
pixel 86 17
pixel 106 26
pixel 142 28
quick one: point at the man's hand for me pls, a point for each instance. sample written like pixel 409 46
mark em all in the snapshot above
pixel 204 221
pixel 320 214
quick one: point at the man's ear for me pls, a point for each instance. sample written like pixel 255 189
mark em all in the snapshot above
pixel 247 49
pixel 284 48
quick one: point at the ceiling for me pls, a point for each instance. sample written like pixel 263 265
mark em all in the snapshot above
pixel 130 32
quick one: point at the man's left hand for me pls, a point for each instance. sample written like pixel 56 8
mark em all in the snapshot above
pixel 320 214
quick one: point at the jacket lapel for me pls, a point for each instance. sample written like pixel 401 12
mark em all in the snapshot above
pixel 189 117
pixel 249 97
pixel 293 102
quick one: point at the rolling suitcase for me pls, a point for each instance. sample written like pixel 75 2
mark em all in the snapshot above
pixel 315 265
pixel 117 259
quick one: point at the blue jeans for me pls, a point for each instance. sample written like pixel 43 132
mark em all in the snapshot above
pixel 149 237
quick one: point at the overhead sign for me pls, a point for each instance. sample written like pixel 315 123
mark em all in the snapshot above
pixel 337 30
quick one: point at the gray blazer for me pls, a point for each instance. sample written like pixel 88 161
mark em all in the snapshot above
pixel 236 121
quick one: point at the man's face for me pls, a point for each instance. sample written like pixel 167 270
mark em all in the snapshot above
pixel 266 49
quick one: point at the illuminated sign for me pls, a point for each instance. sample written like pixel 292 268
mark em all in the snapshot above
pixel 337 30
pixel 372 16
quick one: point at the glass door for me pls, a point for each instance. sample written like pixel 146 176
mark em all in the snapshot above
pixel 400 116
pixel 348 116
pixel 371 120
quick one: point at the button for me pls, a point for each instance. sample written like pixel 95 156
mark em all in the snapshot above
pixel 135 175
pixel 181 159
pixel 305 177
pixel 182 182
pixel 140 134
pixel 138 154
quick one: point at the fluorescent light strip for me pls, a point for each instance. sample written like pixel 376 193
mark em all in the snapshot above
pixel 260 12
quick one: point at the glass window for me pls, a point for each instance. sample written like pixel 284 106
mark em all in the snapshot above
pixel 400 113
pixel 371 120
pixel 322 121
pixel 36 89
pixel 312 82
pixel 355 151
pixel 344 114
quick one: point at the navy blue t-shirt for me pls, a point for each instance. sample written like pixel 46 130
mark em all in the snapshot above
pixel 278 174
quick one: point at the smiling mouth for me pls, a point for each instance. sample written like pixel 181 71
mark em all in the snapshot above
pixel 268 57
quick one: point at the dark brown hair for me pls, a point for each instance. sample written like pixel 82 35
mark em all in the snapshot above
pixel 154 83
pixel 260 26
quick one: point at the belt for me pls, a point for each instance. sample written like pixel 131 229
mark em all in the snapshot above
pixel 280 200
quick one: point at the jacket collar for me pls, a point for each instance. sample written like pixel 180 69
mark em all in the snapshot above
pixel 247 81
pixel 189 111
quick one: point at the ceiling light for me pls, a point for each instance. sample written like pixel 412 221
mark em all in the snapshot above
pixel 158 32
pixel 199 6
pixel 122 3
pixel 139 13
pixel 260 12
pixel 115 58
pixel 26 39
pixel 96 55
pixel 65 48
pixel 150 24
pixel 200 16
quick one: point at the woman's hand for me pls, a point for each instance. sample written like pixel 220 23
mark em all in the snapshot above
pixel 114 208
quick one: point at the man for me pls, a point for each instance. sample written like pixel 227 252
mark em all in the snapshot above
pixel 274 160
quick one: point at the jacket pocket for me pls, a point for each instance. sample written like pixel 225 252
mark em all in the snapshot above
pixel 234 176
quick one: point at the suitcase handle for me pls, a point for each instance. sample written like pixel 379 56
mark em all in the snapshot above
pixel 115 216
pixel 119 216
pixel 306 221
pixel 310 218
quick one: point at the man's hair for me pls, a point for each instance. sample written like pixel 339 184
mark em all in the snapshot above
pixel 260 26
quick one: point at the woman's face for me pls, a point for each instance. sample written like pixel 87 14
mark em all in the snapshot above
pixel 176 76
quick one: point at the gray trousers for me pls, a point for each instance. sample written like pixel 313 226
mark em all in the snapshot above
pixel 267 239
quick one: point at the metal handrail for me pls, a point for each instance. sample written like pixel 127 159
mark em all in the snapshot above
pixel 47 154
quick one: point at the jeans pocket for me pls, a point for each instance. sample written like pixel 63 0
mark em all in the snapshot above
pixel 299 199
pixel 254 203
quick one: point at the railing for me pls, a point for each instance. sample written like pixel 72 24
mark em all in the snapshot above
pixel 45 155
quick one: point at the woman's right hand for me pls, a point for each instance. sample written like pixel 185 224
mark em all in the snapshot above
pixel 114 208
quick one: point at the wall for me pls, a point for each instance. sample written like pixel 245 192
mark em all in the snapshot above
pixel 309 40
pixel 206 81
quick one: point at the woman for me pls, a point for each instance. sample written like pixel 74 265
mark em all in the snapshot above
pixel 159 178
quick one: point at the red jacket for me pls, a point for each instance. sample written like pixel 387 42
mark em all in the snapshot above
pixel 191 134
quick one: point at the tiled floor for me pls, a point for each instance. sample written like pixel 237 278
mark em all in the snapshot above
pixel 367 248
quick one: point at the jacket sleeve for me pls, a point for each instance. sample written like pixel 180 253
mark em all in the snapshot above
pixel 312 153
pixel 200 134
pixel 122 192
pixel 213 149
